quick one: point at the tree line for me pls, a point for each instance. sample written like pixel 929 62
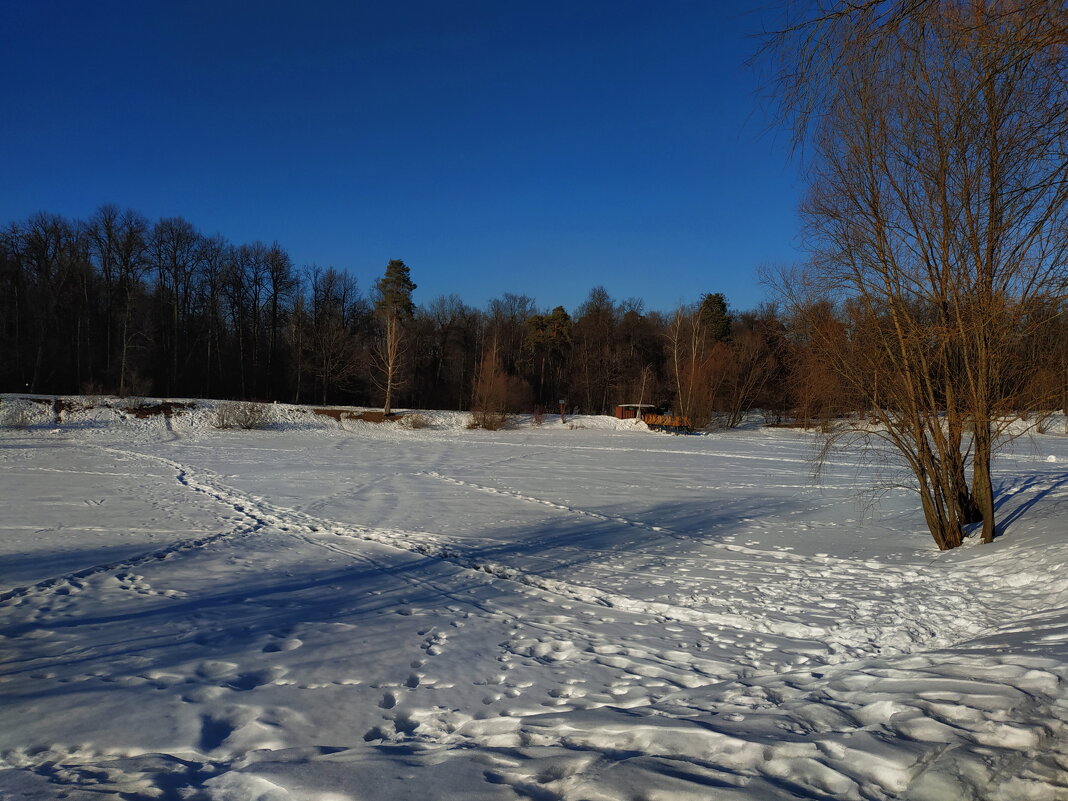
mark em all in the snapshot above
pixel 120 305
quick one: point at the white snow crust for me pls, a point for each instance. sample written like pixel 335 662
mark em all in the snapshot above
pixel 574 611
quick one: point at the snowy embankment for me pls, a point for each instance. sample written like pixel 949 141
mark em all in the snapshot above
pixel 349 610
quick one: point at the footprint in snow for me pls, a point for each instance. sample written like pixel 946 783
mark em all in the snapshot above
pixel 290 644
pixel 213 733
pixel 257 678
pixel 215 669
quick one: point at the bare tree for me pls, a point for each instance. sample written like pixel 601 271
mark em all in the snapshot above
pixel 595 364
pixel 387 355
pixel 327 343
pixel 938 208
pixel 750 367
pixel 490 401
pixel 46 246
pixel 173 246
pixel 281 284
pixel 699 365
pixel 816 389
pixel 453 333
pixel 118 243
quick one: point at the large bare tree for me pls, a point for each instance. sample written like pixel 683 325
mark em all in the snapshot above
pixel 938 207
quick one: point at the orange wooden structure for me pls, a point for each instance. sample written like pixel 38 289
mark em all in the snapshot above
pixel 674 423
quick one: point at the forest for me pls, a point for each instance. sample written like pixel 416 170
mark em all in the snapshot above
pixel 119 304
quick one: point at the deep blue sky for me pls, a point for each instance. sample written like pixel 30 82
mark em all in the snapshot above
pixel 538 148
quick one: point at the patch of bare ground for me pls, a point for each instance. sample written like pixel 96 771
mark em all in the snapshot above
pixel 349 414
pixel 822 426
pixel 165 408
pixel 142 410
pixel 60 406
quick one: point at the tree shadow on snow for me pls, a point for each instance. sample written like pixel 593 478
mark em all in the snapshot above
pixel 1032 491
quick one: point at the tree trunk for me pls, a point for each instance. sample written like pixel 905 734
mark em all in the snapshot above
pixel 967 508
pixel 983 486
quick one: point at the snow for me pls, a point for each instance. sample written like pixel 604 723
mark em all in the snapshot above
pixel 580 610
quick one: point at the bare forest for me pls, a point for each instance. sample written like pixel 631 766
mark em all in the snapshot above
pixel 122 305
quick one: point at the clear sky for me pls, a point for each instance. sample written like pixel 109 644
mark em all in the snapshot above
pixel 538 148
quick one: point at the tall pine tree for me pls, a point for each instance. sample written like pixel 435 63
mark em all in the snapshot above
pixel 395 308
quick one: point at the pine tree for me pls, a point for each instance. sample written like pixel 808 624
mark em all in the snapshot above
pixel 715 319
pixel 395 289
pixel 394 306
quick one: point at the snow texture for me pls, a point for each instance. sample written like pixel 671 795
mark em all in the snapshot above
pixel 585 610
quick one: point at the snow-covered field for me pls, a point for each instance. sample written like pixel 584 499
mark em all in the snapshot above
pixel 591 611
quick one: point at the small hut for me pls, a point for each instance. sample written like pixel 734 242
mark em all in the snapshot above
pixel 628 411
